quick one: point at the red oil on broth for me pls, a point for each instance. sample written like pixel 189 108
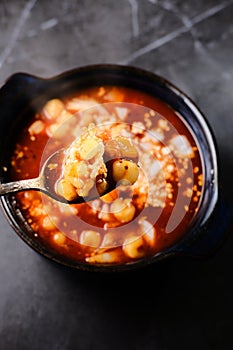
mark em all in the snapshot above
pixel 132 222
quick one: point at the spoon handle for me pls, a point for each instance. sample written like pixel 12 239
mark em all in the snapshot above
pixel 17 186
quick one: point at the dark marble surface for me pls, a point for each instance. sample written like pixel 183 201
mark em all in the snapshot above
pixel 182 303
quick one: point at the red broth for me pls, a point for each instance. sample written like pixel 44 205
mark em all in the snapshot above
pixel 132 222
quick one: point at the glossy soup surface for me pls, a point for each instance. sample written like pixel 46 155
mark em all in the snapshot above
pixel 132 222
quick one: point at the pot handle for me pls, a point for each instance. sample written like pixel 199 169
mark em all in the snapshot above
pixel 214 233
pixel 22 86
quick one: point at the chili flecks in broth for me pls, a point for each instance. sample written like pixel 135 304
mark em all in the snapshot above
pixel 131 222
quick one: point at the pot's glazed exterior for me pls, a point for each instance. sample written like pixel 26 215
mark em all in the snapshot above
pixel 23 95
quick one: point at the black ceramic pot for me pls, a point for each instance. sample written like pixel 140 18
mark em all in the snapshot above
pixel 23 95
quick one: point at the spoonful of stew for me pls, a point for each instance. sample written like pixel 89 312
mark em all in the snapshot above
pixel 89 168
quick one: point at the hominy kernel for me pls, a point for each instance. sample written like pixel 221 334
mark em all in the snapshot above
pixel 123 210
pixel 148 231
pixel 64 116
pixel 125 172
pixel 59 238
pixel 90 238
pixel 53 108
pixel 134 247
pixel 104 213
pixel 104 258
pixel 36 128
pixel 89 149
pixel 66 190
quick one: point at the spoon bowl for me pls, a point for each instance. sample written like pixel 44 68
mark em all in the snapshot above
pixel 50 173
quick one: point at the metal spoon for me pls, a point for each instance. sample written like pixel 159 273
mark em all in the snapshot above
pixel 49 174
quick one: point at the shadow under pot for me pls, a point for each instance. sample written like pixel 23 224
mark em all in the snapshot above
pixel 167 211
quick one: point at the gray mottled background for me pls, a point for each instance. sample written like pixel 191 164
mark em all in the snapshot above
pixel 179 304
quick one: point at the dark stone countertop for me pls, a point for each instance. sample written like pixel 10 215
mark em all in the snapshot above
pixel 181 303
